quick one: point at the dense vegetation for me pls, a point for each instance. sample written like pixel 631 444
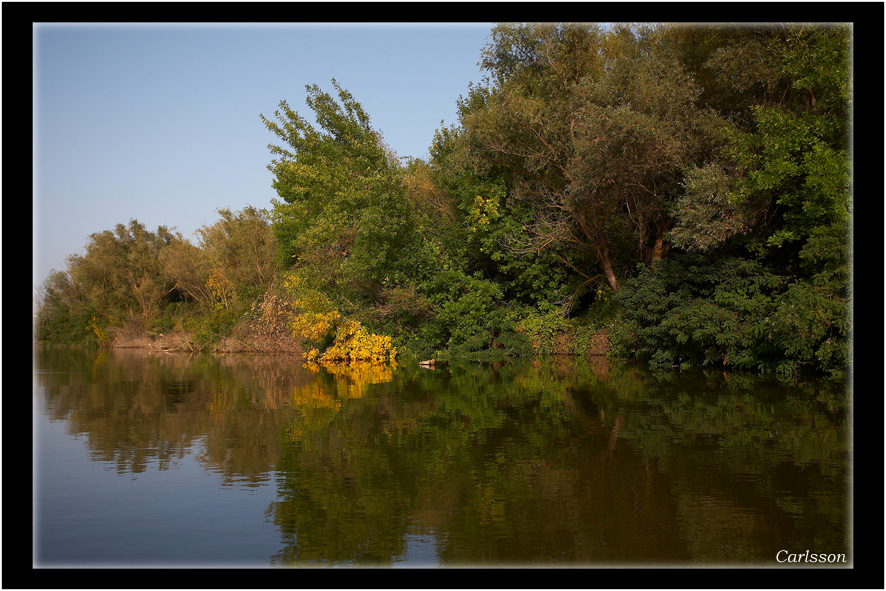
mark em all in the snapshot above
pixel 679 195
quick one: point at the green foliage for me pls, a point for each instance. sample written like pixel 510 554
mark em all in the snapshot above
pixel 783 169
pixel 772 212
pixel 467 310
pixel 594 129
pixel 136 281
pixel 208 329
pixel 676 194
pixel 812 322
pixel 484 229
pixel 710 211
pixel 62 317
pixel 341 212
pixel 733 312
pixel 546 332
pixel 789 165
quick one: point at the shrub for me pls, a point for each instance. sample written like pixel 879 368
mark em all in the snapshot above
pixel 547 332
pixel 354 343
pixel 731 311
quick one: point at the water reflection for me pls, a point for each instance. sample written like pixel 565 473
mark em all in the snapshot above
pixel 549 462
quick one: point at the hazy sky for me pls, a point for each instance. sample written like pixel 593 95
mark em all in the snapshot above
pixel 160 123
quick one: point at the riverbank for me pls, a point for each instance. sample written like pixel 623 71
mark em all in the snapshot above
pixel 266 332
pixel 251 339
pixel 182 341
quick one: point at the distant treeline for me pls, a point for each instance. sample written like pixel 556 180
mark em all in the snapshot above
pixel 682 193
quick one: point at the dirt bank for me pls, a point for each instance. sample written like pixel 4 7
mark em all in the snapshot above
pixel 267 332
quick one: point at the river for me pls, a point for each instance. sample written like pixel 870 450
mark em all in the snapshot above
pixel 149 460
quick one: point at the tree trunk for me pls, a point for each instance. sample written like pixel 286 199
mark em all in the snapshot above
pixel 659 248
pixel 606 261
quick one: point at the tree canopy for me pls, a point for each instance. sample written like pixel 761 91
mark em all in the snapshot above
pixel 681 192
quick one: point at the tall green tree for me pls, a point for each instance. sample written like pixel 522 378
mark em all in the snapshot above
pixel 594 129
pixel 483 228
pixel 341 216
pixel 784 169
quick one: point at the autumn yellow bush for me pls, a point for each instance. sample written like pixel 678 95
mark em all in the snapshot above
pixel 313 326
pixel 354 343
pixel 318 321
pixel 316 317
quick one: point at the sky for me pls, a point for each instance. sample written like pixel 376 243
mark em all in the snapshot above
pixel 161 123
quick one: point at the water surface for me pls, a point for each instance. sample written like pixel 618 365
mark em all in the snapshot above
pixel 171 460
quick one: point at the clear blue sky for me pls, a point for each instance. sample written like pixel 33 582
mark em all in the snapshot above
pixel 160 123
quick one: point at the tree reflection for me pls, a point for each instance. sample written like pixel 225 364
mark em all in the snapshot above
pixel 545 462
pixel 144 411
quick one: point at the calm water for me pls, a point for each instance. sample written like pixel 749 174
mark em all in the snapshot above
pixel 168 460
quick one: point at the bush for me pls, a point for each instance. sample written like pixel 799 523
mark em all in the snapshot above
pixel 354 343
pixel 734 312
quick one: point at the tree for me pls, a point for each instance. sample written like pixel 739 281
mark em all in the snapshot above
pixel 594 129
pixel 770 210
pixel 62 316
pixel 482 227
pixel 187 265
pixel 241 250
pixel 118 282
pixel 341 216
pixel 784 169
pixel 121 275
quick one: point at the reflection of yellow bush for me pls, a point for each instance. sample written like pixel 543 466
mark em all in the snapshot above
pixel 351 379
pixel 315 395
pixel 320 401
pixel 362 372
pixel 318 407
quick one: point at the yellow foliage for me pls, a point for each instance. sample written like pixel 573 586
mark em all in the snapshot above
pixel 313 325
pixel 354 343
pixel 100 334
pixel 483 211
pixel 307 299
pixel 219 285
pixel 291 281
pixel 318 317
pixel 352 379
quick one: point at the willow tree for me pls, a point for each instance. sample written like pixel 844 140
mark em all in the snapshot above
pixel 120 276
pixel 594 127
